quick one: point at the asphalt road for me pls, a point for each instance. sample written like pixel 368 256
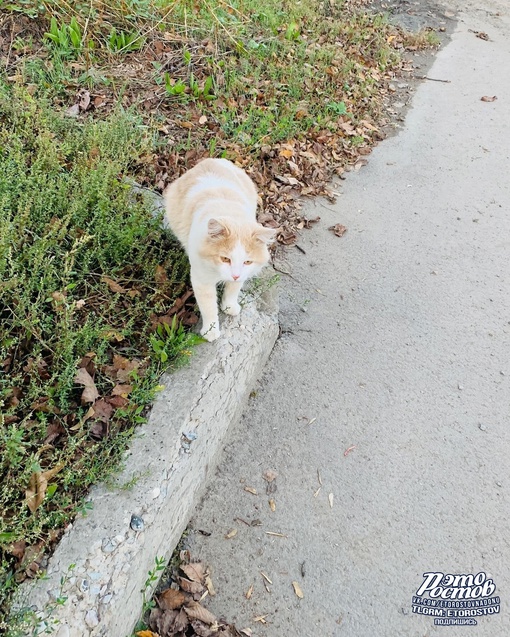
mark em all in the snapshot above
pixel 389 388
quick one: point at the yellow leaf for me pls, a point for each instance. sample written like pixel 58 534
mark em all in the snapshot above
pixel 285 152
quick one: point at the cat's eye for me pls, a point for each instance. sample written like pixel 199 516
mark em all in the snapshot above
pixel 225 259
pixel 248 262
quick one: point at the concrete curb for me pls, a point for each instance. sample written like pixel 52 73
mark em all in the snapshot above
pixel 169 461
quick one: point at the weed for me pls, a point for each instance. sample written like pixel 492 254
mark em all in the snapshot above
pixel 152 579
pixel 66 38
pixel 24 622
pixel 338 108
pixel 172 341
pixel 173 87
pixel 121 41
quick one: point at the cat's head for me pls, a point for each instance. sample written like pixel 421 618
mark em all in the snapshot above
pixel 236 251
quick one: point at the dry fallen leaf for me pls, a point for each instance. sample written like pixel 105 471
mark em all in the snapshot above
pixel 209 586
pixel 249 592
pixel 272 505
pixel 84 101
pixel 17 549
pixel 146 633
pixel 34 494
pixel 297 590
pixel 122 390
pixel 251 490
pixel 163 621
pixel 330 498
pixel 170 599
pixel 197 611
pixel 160 275
pixel 90 393
pixel 203 119
pixel 190 587
pixel 338 230
pixel 104 408
pixel 122 368
pixel 181 622
pixel 196 571
pixel 113 285
pixel 232 533
pixel 72 111
pixel 487 98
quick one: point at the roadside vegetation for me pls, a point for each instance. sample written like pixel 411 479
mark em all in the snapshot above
pixel 94 295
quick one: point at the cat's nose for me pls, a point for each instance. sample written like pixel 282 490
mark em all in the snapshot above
pixel 235 276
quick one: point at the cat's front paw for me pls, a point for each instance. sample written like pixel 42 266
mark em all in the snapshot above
pixel 210 332
pixel 231 307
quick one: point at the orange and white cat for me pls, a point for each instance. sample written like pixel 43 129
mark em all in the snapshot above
pixel 211 209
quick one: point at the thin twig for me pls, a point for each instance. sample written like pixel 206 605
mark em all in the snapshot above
pixel 432 79
pixel 283 272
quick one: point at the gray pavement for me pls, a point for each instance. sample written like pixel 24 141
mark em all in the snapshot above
pixel 396 341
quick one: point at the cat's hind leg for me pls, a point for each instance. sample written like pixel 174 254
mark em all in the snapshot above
pixel 229 303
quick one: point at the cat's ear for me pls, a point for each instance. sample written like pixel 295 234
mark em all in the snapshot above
pixel 266 235
pixel 216 229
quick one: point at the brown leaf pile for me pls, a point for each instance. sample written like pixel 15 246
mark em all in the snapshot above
pixel 180 613
pixel 102 409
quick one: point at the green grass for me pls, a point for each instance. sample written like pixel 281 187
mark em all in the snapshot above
pixel 67 219
pixel 251 65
